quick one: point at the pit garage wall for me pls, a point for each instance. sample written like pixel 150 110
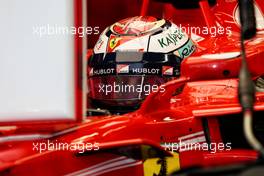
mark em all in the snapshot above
pixel 40 74
pixel 104 13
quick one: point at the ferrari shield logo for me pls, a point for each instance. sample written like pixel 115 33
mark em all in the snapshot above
pixel 113 42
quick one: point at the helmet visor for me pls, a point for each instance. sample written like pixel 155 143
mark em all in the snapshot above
pixel 123 89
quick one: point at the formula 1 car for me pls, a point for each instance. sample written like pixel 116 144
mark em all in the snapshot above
pixel 196 122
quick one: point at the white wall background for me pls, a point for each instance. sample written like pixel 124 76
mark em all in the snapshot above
pixel 36 73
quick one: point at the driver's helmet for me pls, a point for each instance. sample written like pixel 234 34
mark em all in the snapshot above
pixel 132 58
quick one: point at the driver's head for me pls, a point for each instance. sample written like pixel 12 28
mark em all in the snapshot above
pixel 132 58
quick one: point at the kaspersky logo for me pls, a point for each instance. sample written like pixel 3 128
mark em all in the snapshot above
pixel 167 70
pixel 171 38
pixel 122 68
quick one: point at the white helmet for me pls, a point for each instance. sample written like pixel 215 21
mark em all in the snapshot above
pixel 132 58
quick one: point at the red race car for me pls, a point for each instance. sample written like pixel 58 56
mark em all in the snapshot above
pixel 186 113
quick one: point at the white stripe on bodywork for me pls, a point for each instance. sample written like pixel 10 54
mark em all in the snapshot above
pixel 23 137
pixel 193 141
pixel 190 142
pixel 190 135
pixel 221 56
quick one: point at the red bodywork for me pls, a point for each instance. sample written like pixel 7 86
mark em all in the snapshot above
pixel 208 91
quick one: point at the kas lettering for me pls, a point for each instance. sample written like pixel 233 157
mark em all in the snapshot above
pixel 171 39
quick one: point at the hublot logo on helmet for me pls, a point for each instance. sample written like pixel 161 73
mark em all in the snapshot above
pixel 103 71
pixel 146 70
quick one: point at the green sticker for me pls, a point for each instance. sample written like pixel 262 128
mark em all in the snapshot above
pixel 187 49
